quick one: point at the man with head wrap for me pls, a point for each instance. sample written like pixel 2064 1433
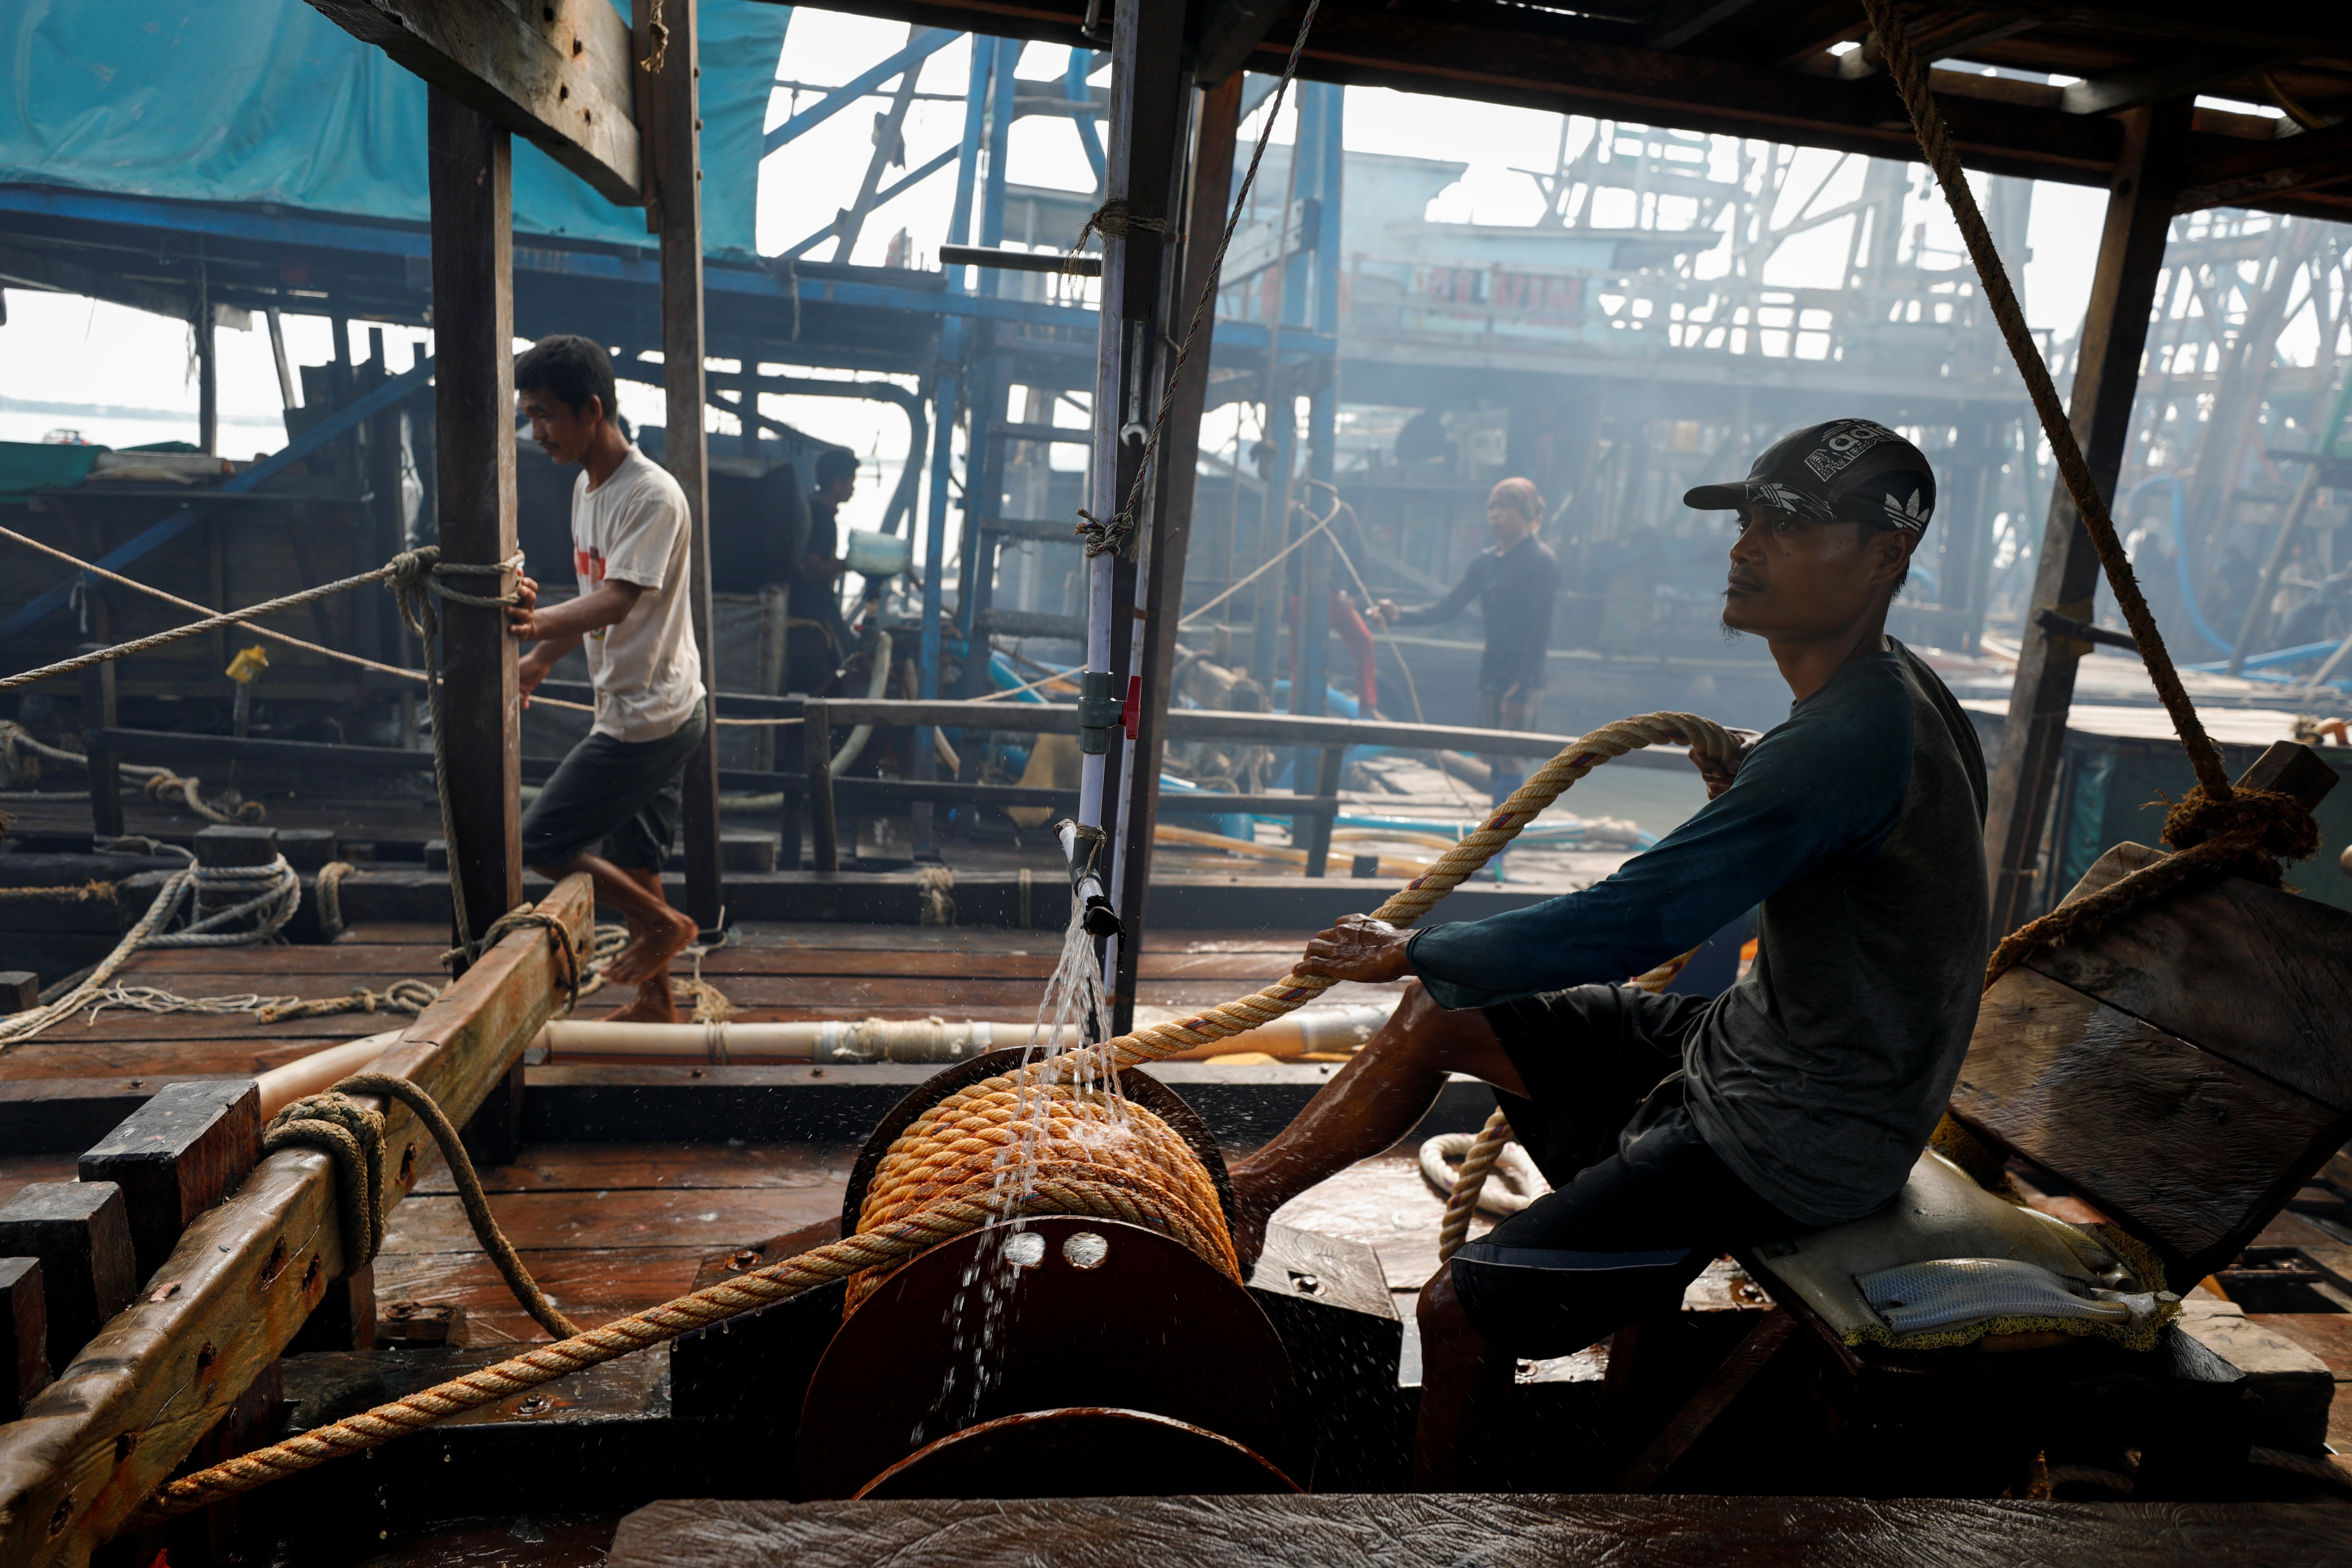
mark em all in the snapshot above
pixel 1514 584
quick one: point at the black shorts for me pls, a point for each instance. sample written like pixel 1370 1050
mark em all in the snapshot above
pixel 1631 1219
pixel 625 793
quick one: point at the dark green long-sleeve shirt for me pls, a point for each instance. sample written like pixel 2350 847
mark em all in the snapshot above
pixel 1857 826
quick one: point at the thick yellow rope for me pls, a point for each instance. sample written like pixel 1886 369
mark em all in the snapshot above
pixel 931 1194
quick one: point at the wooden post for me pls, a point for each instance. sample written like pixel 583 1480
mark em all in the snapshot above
pixel 469 164
pixel 1144 147
pixel 816 741
pixel 177 1156
pixel 207 367
pixel 104 769
pixel 669 123
pixel 24 1335
pixel 794 760
pixel 1328 772
pixel 81 1235
pixel 1217 121
pixel 2067 572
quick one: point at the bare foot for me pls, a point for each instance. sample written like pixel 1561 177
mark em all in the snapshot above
pixel 653 1004
pixel 1249 1218
pixel 649 952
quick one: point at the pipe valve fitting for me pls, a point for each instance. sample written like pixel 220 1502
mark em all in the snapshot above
pixel 1098 712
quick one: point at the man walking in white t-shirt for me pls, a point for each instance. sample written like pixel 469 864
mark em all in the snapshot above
pixel 621 788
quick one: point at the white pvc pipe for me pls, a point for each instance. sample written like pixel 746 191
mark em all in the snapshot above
pixel 320 1071
pixel 1321 1029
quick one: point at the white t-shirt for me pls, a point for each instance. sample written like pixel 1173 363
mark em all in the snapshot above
pixel 633 528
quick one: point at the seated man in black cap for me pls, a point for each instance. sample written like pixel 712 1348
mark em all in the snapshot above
pixel 1672 1127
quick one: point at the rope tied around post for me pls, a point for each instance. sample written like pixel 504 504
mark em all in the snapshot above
pixel 524 917
pixel 415 577
pixel 342 1125
pixel 1113 220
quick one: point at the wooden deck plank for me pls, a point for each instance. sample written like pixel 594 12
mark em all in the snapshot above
pixel 704 1218
pixel 641 1167
pixel 1411 1529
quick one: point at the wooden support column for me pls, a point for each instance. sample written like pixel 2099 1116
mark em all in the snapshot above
pixel 208 368
pixel 1144 153
pixel 669 121
pixel 469 164
pixel 816 745
pixel 104 768
pixel 2066 571
pixel 1217 121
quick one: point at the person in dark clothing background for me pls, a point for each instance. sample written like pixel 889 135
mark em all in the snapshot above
pixel 816 639
pixel 1514 584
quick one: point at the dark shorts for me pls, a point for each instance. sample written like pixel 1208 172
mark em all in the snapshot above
pixel 1630 1221
pixel 626 794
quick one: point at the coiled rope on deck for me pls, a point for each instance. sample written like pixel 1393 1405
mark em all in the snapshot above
pixel 931 1194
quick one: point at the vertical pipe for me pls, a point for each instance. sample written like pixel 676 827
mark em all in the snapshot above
pixel 935 556
pixel 975 108
pixel 1147 116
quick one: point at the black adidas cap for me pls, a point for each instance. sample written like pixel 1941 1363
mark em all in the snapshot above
pixel 1848 470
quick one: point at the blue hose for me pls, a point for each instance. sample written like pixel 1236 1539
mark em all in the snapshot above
pixel 2180 555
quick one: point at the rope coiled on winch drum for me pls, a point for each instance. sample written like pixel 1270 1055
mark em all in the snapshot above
pixel 904 1221
pixel 1046 1122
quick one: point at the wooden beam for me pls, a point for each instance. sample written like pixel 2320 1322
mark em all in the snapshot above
pixel 121 1416
pixel 557 72
pixel 2066 570
pixel 1230 31
pixel 470 161
pixel 670 108
pixel 1216 121
pixel 2174 78
pixel 2262 169
pixel 1454 52
pixel 1679 21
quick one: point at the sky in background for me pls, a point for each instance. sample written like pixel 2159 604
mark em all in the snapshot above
pixel 141 368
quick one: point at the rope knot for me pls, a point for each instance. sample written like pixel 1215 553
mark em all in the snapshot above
pixel 2250 830
pixel 1115 220
pixel 1104 536
pixel 350 1133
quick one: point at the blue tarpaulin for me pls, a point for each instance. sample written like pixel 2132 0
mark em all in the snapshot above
pixel 267 102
